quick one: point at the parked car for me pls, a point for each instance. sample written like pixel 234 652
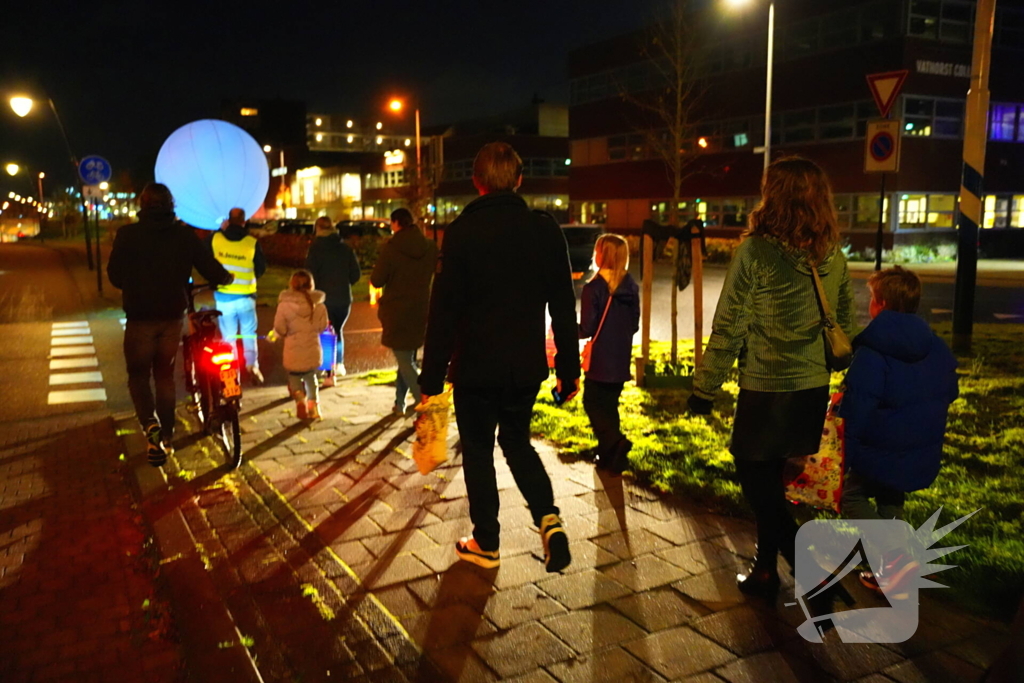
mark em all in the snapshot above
pixel 581 240
pixel 349 229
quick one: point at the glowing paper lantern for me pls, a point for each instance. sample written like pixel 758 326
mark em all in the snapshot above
pixel 212 167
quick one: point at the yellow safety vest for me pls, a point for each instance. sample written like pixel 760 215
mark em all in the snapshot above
pixel 238 259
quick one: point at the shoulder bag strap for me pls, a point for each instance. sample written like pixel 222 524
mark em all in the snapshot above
pixel 826 313
pixel 603 316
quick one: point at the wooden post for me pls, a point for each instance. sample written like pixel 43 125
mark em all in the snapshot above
pixel 698 299
pixel 647 247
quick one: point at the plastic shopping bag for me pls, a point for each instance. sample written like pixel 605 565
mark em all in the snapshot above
pixel 817 480
pixel 431 447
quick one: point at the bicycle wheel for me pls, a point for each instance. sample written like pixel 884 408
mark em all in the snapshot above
pixel 229 435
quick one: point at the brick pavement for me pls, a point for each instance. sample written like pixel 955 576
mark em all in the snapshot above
pixel 335 556
pixel 78 599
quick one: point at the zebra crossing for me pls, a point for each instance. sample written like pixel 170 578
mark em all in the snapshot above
pixel 72 348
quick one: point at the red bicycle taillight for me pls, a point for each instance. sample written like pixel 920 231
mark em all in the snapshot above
pixel 219 354
pixel 222 358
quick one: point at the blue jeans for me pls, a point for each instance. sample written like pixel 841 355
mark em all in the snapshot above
pixel 408 377
pixel 305 382
pixel 238 320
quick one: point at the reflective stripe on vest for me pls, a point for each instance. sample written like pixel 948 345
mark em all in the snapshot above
pixel 238 259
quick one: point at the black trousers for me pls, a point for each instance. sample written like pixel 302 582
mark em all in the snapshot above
pixel 601 403
pixel 479 412
pixel 150 347
pixel 761 481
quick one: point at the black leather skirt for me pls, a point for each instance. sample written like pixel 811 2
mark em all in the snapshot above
pixel 771 425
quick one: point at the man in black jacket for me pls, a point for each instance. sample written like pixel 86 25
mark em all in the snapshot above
pixel 501 265
pixel 151 263
pixel 335 269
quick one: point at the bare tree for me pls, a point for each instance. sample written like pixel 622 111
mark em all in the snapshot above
pixel 669 104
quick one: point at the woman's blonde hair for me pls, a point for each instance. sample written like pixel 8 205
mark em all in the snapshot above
pixel 302 281
pixel 611 252
pixel 797 208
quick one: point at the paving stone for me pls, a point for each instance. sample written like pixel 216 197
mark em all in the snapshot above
pixel 742 543
pixel 716 590
pixel 517 605
pixel 402 542
pixel 521 569
pixel 658 609
pixel 461 663
pixel 934 666
pixel 843 661
pixel 644 572
pixel 980 650
pixel 744 630
pixel 391 571
pixel 535 676
pixel 593 629
pixel 521 649
pixel 583 589
pixel 771 667
pixel 400 601
pixel 585 555
pixel 446 626
pixel 680 530
pixel 699 556
pixel 574 506
pixel 439 558
pixel 464 583
pixel 679 652
pixel 450 509
pixel 352 552
pixel 614 664
pixel 629 544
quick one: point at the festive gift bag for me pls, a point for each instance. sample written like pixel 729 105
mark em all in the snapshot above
pixel 431 447
pixel 817 480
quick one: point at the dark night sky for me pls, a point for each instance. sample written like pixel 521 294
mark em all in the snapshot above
pixel 124 75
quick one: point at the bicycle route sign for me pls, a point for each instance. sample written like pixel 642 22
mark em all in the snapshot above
pixel 94 170
pixel 882 151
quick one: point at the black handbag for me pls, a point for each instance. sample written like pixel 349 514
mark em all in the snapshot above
pixel 838 349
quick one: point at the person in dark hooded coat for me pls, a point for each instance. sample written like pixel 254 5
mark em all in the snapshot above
pixel 334 268
pixel 404 270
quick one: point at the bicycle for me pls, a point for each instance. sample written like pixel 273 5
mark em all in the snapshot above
pixel 212 378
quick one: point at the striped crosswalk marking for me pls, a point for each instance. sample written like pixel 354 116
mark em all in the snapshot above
pixel 76 396
pixel 71 341
pixel 76 378
pixel 69 363
pixel 71 346
pixel 72 351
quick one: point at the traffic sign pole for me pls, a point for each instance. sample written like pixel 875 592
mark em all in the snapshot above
pixel 970 206
pixel 93 170
pixel 880 235
pixel 885 88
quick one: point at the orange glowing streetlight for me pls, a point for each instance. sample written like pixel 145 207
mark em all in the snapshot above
pixel 396 105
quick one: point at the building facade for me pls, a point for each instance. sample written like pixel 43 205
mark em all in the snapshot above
pixel 821 106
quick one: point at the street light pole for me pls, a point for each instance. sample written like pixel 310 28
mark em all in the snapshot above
pixel 768 87
pixel 419 166
pixel 970 214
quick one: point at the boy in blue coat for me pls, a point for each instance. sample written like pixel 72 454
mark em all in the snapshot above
pixel 898 391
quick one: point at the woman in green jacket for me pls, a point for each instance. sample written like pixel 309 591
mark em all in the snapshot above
pixel 768 318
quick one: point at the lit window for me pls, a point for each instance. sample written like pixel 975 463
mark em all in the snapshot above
pixel 319 137
pixel 379 139
pixel 350 138
pixel 249 111
pixel 408 142
pixel 1003 124
pixel 319 121
pixel 379 125
pixel 348 124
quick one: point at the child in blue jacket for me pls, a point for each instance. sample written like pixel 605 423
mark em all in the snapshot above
pixel 898 391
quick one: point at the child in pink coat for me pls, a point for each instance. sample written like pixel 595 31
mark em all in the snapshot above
pixel 301 317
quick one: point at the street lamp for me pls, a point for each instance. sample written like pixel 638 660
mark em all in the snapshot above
pixel 768 80
pixel 21 105
pixel 12 169
pixel 396 105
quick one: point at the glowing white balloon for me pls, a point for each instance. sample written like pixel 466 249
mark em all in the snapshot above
pixel 212 167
